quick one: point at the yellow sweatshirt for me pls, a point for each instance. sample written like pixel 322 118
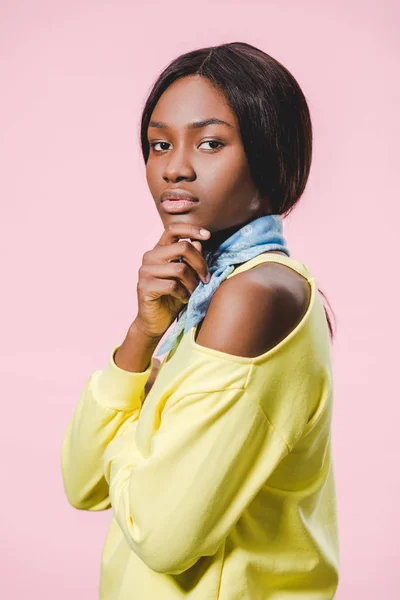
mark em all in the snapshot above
pixel 221 484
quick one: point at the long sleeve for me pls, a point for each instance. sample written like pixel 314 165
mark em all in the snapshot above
pixel 110 402
pixel 210 455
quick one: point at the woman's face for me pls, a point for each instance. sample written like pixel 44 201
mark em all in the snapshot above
pixel 208 162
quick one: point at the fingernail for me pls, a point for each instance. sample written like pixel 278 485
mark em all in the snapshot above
pixel 204 232
pixel 208 277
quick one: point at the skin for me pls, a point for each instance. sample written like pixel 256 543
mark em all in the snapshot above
pixel 211 164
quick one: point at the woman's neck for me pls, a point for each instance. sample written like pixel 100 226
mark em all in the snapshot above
pixel 218 237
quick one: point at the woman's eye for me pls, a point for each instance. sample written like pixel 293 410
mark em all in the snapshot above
pixel 212 142
pixel 154 144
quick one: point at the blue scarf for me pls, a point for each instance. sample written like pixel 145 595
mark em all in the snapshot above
pixel 261 235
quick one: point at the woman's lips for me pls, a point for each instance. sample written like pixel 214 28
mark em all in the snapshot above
pixel 176 206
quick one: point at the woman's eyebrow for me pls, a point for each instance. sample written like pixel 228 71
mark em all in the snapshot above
pixel 193 124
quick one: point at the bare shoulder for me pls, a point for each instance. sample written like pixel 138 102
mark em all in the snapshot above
pixel 274 273
pixel 254 310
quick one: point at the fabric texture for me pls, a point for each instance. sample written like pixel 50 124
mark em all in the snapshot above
pixel 221 480
pixel 261 235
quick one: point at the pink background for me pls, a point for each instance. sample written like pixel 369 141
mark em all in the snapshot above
pixel 77 216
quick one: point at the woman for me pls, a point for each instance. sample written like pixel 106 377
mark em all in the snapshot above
pixel 217 464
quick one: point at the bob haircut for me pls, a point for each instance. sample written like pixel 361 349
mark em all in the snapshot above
pixel 271 109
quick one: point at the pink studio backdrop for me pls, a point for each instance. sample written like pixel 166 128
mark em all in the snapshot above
pixel 77 216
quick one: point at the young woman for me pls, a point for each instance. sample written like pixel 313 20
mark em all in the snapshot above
pixel 217 462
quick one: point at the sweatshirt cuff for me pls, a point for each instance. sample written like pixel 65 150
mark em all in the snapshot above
pixel 119 389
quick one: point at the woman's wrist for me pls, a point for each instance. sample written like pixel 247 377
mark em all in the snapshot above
pixel 136 350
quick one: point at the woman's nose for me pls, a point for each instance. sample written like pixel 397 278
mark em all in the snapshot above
pixel 178 167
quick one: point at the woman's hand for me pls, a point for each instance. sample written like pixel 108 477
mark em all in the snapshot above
pixel 164 284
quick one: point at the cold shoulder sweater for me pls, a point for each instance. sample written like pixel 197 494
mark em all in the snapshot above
pixel 221 483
